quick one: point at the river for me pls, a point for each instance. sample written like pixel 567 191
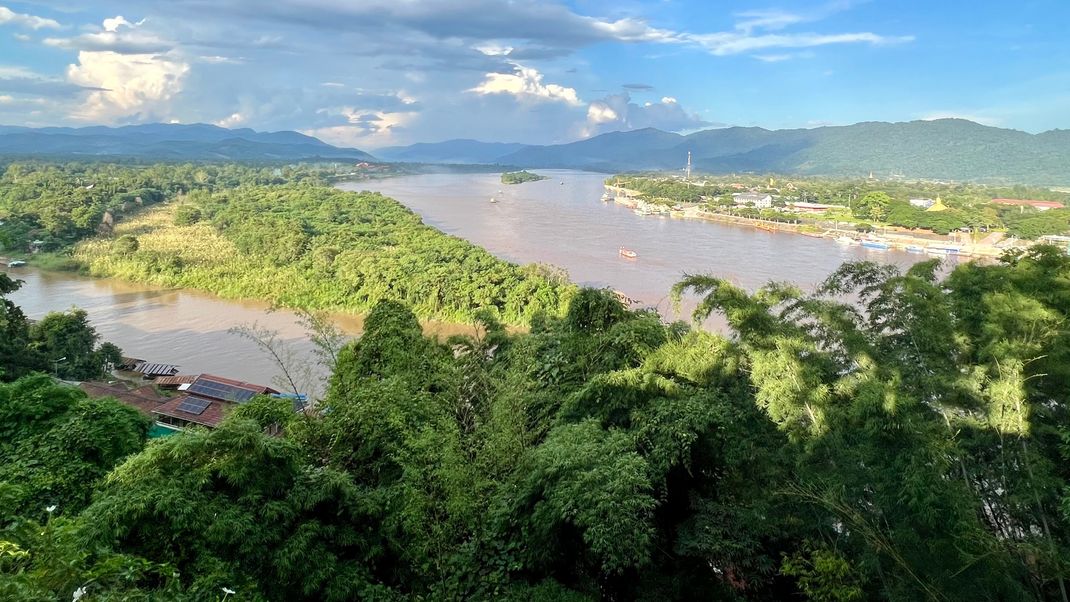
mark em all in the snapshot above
pixel 562 221
pixel 546 221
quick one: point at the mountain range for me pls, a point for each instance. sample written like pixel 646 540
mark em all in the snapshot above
pixel 166 141
pixel 943 149
pixel 950 149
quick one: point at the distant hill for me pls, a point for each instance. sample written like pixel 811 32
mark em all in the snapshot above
pixel 449 151
pixel 162 141
pixel 949 149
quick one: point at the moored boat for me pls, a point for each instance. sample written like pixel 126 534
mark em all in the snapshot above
pixel 16 263
pixel 915 249
pixel 943 250
pixel 493 200
pixel 845 240
pixel 879 245
pixel 630 254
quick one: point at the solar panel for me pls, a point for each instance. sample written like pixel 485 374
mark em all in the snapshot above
pixel 194 406
pixel 217 390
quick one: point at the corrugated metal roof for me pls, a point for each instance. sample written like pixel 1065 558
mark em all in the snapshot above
pixel 178 379
pixel 156 369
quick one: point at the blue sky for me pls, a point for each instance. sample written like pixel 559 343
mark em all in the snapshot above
pixel 371 73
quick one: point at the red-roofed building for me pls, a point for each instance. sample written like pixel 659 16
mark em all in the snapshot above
pixel 180 412
pixel 1038 205
pixel 207 400
pixel 145 398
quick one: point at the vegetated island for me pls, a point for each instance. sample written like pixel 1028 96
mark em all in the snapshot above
pixel 519 177
pixel 281 235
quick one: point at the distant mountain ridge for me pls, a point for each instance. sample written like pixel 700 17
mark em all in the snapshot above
pixel 952 149
pixel 449 151
pixel 166 141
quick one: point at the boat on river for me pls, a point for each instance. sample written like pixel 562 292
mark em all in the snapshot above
pixel 915 249
pixel 628 253
pixel 845 240
pixel 878 245
pixel 493 199
pixel 606 197
pixel 765 226
pixel 944 250
pixel 16 263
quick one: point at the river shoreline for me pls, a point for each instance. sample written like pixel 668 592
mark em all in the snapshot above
pixel 894 237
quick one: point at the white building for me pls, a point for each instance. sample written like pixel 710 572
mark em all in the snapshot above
pixel 758 201
pixel 922 203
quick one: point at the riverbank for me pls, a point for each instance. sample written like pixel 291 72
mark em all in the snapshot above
pixel 185 327
pixel 991 246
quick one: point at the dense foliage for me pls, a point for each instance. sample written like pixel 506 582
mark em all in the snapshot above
pixel 892 436
pixel 64 343
pixel 59 204
pixel 319 248
pixel 519 177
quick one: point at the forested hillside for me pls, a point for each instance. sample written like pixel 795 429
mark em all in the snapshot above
pixel 170 142
pixel 943 149
pixel 893 436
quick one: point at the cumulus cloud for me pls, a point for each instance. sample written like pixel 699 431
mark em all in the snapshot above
pixel 484 68
pixel 618 112
pixel 10 17
pixel 526 83
pixel 127 86
pixel 363 128
pixel 116 34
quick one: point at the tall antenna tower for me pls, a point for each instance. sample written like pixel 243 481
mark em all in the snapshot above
pixel 688 166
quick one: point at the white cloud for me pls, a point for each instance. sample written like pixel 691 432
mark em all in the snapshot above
pixel 600 112
pixel 230 121
pixel 138 86
pixel 220 60
pixel 774 58
pixel 525 83
pixel 8 16
pixel 114 23
pixel 7 71
pixel 728 43
pixel 618 112
pixel 494 49
pixel 767 19
pixel 116 34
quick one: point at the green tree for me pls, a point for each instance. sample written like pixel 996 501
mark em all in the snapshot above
pixel 16 357
pixel 873 206
pixel 68 343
